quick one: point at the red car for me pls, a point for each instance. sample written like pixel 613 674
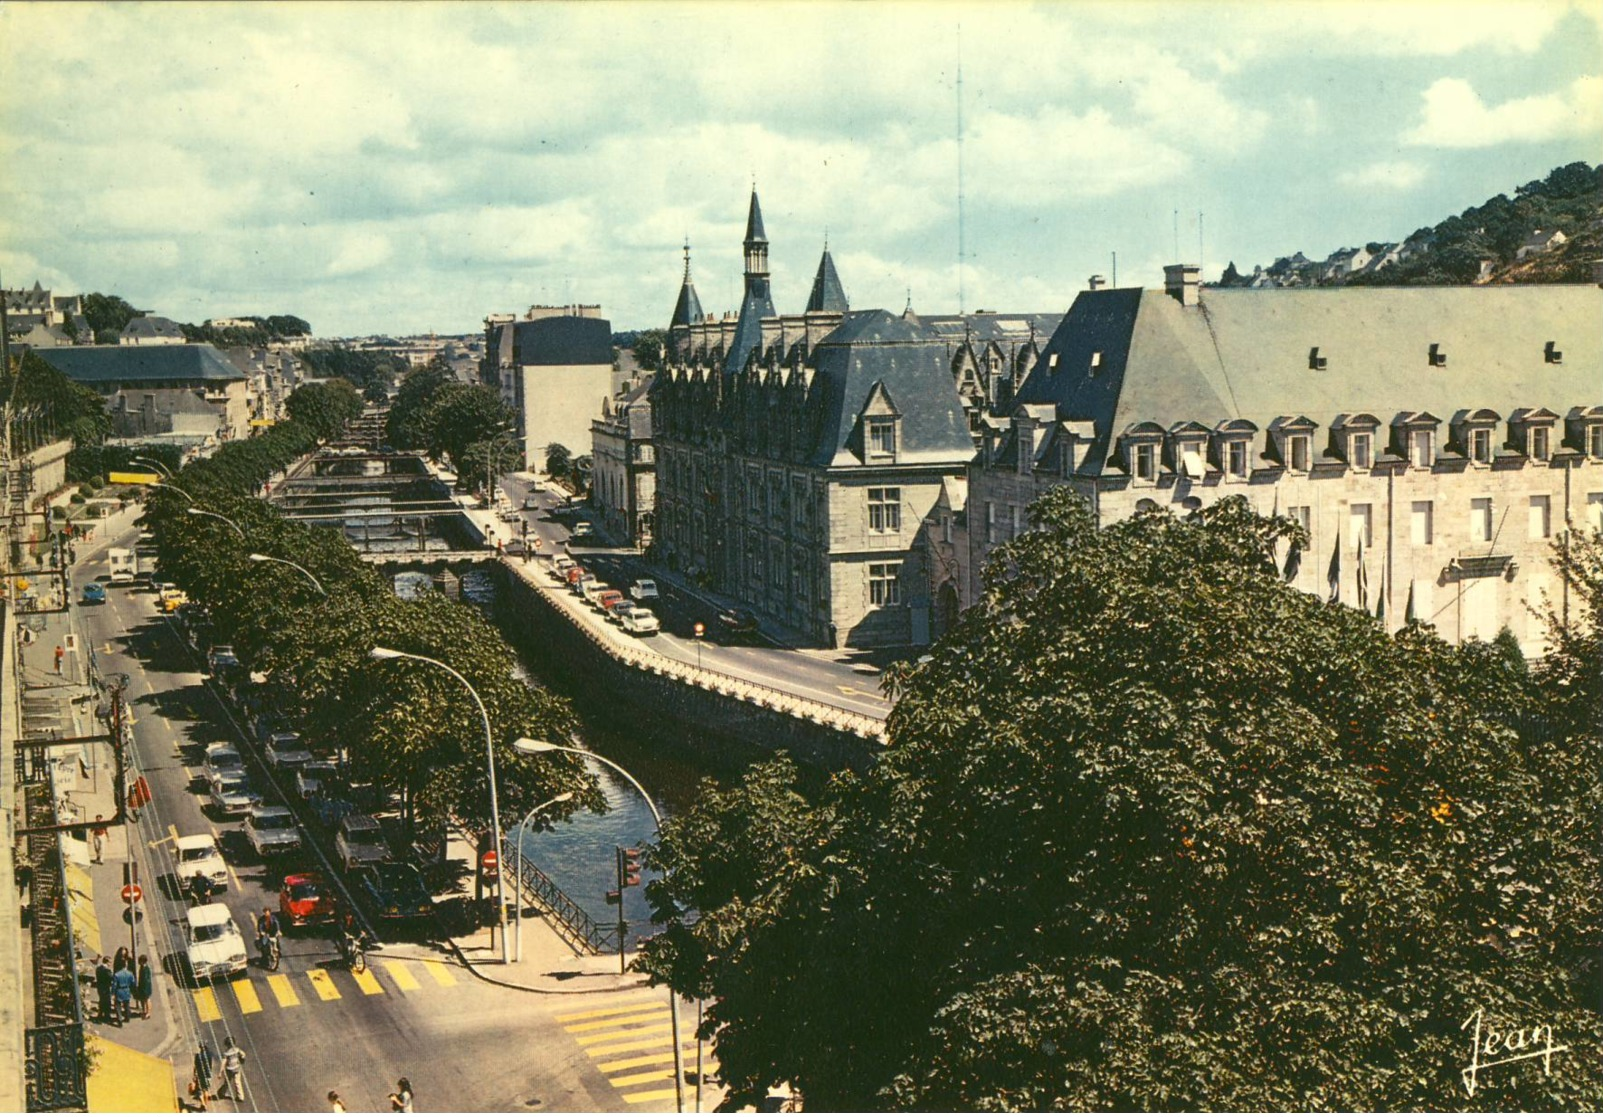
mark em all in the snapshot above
pixel 305 898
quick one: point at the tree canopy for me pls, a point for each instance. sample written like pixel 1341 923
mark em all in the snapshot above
pixel 439 414
pixel 1156 831
pixel 47 406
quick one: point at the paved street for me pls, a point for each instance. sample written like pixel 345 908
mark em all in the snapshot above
pixel 314 1026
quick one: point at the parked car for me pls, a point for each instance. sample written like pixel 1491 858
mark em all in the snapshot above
pixel 582 532
pixel 737 624
pixel 617 609
pixel 562 564
pixel 272 831
pixel 171 597
pixel 644 589
pixel 304 898
pixel 222 658
pixel 213 945
pixel 231 794
pixel 315 777
pixel 94 594
pixel 640 622
pixel 220 758
pixel 513 546
pixel 605 597
pixel 285 753
pixel 198 853
pixel 574 573
pixel 360 841
pixel 396 890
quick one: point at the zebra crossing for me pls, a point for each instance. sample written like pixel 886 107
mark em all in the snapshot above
pixel 250 994
pixel 631 1042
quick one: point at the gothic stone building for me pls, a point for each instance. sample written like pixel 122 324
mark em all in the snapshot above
pixel 799 455
pixel 1435 442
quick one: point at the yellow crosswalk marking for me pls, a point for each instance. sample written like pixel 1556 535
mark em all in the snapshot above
pixel 643 1039
pixel 206 1005
pixel 401 975
pixel 640 1018
pixel 283 990
pixel 643 1060
pixel 649 1095
pixel 249 1002
pixel 623 1033
pixel 367 982
pixel 663 1075
pixel 440 972
pixel 323 984
pixel 615 1010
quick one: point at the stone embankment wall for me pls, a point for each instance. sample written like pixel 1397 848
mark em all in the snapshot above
pixel 567 638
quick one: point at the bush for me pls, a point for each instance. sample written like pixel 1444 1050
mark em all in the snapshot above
pixel 95 484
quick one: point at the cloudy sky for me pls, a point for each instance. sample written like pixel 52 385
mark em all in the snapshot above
pixel 412 167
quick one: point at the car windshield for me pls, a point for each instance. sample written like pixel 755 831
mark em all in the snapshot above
pixel 209 932
pixel 225 760
pixel 305 890
pixel 199 853
pixel 273 820
pixel 231 787
pixel 364 831
pixel 397 877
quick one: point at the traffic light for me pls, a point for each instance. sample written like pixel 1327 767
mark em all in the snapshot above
pixel 628 868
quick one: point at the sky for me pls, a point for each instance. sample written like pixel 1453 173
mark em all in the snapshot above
pixel 408 168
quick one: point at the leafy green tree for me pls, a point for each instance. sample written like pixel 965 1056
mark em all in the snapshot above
pixel 108 314
pixel 50 406
pixel 325 407
pixel 410 423
pixel 649 347
pixel 558 459
pixel 462 415
pixel 1155 831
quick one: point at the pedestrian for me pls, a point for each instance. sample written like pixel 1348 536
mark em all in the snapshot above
pixel 233 1071
pixel 401 1100
pixel 122 990
pixel 59 654
pixel 103 976
pixel 145 986
pixel 200 1084
pixel 98 837
pixel 122 960
pixel 335 1103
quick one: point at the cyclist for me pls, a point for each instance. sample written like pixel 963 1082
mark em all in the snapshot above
pixel 200 889
pixel 267 935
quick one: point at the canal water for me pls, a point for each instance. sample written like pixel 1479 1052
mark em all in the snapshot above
pixel 580 855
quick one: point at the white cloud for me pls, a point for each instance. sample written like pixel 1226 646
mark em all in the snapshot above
pixel 360 252
pixel 1392 175
pixel 1455 116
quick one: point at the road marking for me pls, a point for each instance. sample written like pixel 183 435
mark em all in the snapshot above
pixel 849 690
pixel 323 984
pixel 652 1035
pixel 368 983
pixel 401 975
pixel 108 648
pixel 188 775
pixel 231 874
pixel 283 990
pixel 206 1005
pixel 246 992
pixel 661 1013
pixel 440 972
pixel 650 1095
pixel 615 1010
pixel 643 1060
pixel 664 1075
pixel 172 836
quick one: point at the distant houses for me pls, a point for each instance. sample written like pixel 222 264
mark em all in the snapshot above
pixel 1540 240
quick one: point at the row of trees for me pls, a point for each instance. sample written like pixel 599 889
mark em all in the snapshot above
pixel 440 415
pixel 46 406
pixel 1156 831
pixel 109 315
pixel 405 726
pixel 372 371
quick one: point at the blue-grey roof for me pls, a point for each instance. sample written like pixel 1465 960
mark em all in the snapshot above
pixel 754 220
pixel 117 364
pixel 827 294
pixel 152 326
pixel 757 305
pixel 688 308
pixel 563 341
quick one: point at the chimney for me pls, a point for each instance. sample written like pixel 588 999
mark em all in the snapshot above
pixel 1184 282
pixel 1096 283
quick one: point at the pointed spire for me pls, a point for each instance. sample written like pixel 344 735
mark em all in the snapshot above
pixel 687 309
pixel 754 220
pixel 828 294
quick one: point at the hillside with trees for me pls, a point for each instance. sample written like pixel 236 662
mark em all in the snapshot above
pixel 109 315
pixel 1480 245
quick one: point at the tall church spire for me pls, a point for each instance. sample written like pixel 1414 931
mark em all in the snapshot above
pixel 758 302
pixel 687 310
pixel 756 241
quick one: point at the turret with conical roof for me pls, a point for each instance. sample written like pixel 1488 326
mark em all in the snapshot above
pixel 686 313
pixel 758 302
pixel 828 295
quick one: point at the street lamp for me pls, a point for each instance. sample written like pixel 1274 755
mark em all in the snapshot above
pixel 163 470
pixel 489 465
pixel 218 516
pixel 517 874
pixel 169 485
pixel 296 565
pixel 530 747
pixel 495 808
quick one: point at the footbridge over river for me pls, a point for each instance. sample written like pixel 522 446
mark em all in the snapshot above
pixel 389 505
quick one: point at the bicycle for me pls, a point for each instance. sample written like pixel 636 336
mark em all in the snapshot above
pixel 353 948
pixel 272 952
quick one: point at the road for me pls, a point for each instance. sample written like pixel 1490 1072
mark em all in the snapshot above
pixel 850 686
pixel 314 1026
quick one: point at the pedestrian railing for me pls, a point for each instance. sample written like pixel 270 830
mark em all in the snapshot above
pixel 54 1073
pixel 573 922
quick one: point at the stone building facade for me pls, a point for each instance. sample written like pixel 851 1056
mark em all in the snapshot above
pixel 186 394
pixel 623 471
pixel 1435 442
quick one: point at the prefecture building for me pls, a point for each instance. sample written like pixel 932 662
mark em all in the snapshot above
pixel 1434 441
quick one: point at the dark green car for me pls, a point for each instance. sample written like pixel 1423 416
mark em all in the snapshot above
pixel 396 891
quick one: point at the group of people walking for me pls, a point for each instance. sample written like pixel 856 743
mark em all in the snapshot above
pixel 119 986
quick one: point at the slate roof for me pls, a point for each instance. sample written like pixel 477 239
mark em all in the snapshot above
pixel 754 220
pixel 565 340
pixel 688 307
pixel 110 365
pixel 827 294
pixel 151 326
pixel 910 363
pixel 1245 353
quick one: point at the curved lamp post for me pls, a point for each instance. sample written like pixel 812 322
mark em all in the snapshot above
pixel 517 873
pixel 161 469
pixel 495 809
pixel 528 746
pixel 218 516
pixel 489 465
pixel 295 565
pixel 173 487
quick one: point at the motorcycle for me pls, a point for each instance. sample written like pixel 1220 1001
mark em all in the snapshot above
pixel 353 950
pixel 271 950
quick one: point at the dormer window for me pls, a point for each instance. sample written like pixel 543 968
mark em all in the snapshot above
pixel 1298 452
pixel 1361 450
pixel 1421 448
pixel 1316 362
pixel 1292 439
pixel 1146 462
pixel 882 438
pixel 1052 362
pixel 1480 445
pixel 1438 356
pixel 1143 448
pixel 1472 432
pixel 1539 446
pixel 1236 458
pixel 1096 362
pixel 1594 440
pixel 1232 440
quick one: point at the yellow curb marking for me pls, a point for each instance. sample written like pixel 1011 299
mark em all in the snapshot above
pixel 323 984
pixel 367 982
pixel 401 976
pixel 283 990
pixel 653 1033
pixel 641 1018
pixel 246 992
pixel 632 1006
pixel 206 1005
pixel 440 972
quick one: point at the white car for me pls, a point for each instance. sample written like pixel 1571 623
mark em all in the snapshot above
pixel 198 853
pixel 360 841
pixel 231 793
pixel 285 753
pixel 222 758
pixel 645 589
pixel 640 622
pixel 213 945
pixel 272 831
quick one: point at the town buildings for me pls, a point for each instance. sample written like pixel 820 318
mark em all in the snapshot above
pixel 151 330
pixel 623 471
pixel 186 394
pixel 553 367
pixel 1434 441
pixel 37 318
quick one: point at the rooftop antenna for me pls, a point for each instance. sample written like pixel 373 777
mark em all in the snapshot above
pixel 961 304
pixel 1177 236
pixel 1201 268
pixel 908 309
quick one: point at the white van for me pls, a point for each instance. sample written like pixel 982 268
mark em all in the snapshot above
pixel 124 566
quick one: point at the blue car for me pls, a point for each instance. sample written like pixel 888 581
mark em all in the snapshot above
pixel 94 594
